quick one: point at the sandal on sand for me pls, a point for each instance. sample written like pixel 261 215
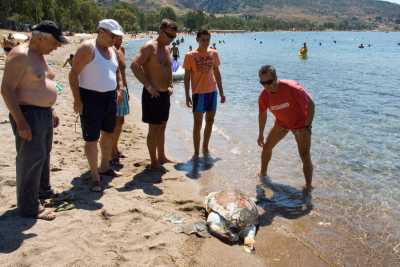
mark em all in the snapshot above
pixel 111 173
pixel 95 186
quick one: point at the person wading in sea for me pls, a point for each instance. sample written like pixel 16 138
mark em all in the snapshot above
pixel 293 109
pixel 202 74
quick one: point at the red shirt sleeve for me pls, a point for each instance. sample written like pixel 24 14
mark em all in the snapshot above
pixel 263 101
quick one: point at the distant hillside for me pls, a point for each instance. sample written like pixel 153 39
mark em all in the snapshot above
pixel 313 10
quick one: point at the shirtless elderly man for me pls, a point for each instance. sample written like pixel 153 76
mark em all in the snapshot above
pixel 152 67
pixel 29 92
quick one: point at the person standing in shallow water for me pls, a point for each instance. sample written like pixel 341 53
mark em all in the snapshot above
pixel 203 76
pixel 29 91
pixel 293 109
pixel 152 67
pixel 95 83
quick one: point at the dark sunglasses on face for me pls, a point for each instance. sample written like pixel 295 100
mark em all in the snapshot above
pixel 7 49
pixel 268 82
pixel 169 35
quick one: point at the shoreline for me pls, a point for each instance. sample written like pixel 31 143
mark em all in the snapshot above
pixel 135 221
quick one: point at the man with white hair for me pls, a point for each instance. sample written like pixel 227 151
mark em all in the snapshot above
pixel 95 84
pixel 29 92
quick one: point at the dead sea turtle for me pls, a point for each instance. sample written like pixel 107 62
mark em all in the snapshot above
pixel 232 215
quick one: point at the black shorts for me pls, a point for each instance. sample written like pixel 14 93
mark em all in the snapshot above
pixel 99 113
pixel 155 110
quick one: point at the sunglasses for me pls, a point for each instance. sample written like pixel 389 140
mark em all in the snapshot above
pixel 268 82
pixel 169 35
pixel 7 49
pixel 205 40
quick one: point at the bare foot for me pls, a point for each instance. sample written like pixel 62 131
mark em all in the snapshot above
pixel 307 190
pixel 195 157
pixel 206 152
pixel 155 168
pixel 45 215
pixel 165 160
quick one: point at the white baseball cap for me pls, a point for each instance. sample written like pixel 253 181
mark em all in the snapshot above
pixel 111 25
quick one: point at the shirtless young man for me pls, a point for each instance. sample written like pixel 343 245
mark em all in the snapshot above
pixel 293 109
pixel 29 92
pixel 95 84
pixel 152 67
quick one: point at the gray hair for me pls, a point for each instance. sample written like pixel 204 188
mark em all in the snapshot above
pixel 268 69
pixel 37 34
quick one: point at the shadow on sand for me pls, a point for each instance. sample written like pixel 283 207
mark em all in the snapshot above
pixel 194 168
pixel 80 194
pixel 282 200
pixel 145 180
pixel 12 228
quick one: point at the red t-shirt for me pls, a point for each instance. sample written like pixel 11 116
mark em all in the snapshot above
pixel 289 104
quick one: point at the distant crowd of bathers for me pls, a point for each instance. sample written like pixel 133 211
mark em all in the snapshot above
pixel 99 86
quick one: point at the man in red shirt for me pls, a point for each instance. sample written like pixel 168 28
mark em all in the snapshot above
pixel 293 109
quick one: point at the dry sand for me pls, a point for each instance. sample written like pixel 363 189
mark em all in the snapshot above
pixel 134 222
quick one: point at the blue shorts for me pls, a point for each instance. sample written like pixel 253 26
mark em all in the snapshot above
pixel 205 102
pixel 123 108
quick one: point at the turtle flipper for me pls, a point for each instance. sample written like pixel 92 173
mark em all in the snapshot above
pixel 249 234
pixel 217 226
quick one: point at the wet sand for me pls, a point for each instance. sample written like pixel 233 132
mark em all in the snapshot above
pixel 136 221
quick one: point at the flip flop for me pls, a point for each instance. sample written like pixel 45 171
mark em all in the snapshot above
pixel 111 173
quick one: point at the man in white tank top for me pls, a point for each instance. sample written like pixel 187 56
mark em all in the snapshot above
pixel 95 85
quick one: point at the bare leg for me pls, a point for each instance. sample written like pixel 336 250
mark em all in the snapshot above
pixel 275 135
pixel 106 140
pixel 303 139
pixel 162 158
pixel 91 152
pixel 207 131
pixel 116 135
pixel 197 124
pixel 152 140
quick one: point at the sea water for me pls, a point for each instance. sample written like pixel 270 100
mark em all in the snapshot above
pixel 355 144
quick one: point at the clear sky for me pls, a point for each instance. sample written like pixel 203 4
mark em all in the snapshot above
pixel 393 1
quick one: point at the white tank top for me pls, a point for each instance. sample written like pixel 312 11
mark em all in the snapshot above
pixel 100 74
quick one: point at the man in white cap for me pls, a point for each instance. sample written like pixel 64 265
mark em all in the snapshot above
pixel 95 84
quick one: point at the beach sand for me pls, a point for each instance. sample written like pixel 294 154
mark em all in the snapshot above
pixel 136 221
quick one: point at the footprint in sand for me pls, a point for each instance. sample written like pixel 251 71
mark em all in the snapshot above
pixel 11 183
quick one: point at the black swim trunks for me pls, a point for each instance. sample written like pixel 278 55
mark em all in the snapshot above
pixel 155 110
pixel 99 113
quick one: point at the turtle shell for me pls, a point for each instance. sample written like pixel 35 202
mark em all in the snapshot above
pixel 235 207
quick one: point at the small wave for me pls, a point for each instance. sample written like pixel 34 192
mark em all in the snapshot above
pixel 236 151
pixel 221 133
